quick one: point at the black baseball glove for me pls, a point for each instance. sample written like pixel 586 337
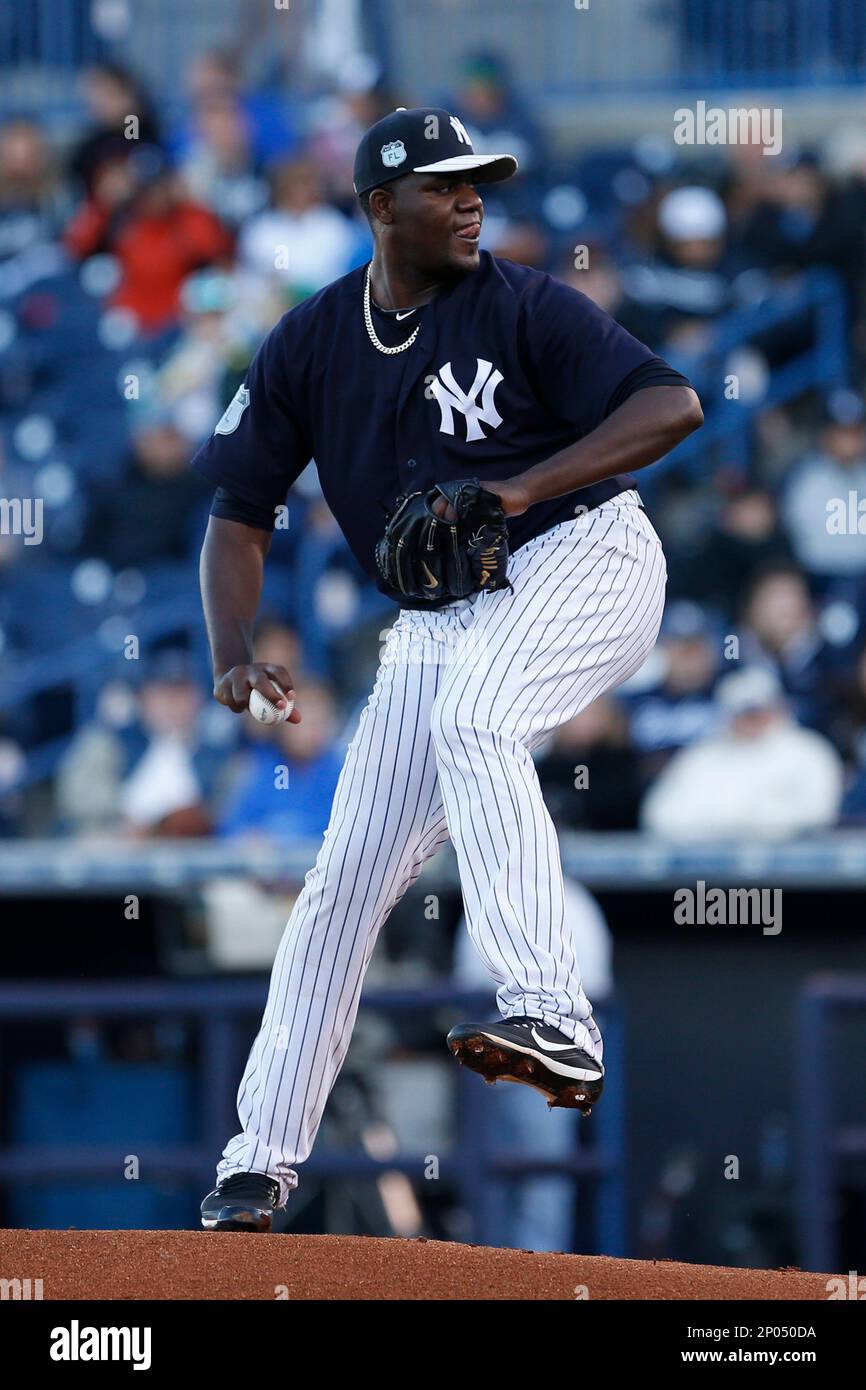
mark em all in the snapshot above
pixel 422 556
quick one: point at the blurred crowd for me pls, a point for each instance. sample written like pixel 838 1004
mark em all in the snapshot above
pixel 142 261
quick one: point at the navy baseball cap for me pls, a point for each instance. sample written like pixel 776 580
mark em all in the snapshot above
pixel 423 140
pixel 844 407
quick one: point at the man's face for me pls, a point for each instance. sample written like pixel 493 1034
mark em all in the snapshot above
pixel 691 664
pixel 846 443
pixel 696 253
pixel 780 609
pixel 161 451
pixel 425 215
pixel 754 723
pixel 169 707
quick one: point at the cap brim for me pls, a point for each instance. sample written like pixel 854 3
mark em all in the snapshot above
pixel 492 168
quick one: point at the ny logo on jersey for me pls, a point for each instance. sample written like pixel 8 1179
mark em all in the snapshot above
pixel 452 397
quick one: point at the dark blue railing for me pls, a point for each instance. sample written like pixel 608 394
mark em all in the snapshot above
pixel 814 301
pixel 829 1148
pixel 222 1011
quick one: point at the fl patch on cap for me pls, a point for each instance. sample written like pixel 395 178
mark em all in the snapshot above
pixel 423 140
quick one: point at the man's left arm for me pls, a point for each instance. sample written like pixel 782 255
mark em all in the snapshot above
pixel 626 406
pixel 642 430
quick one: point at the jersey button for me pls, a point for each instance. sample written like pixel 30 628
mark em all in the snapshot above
pixel 410 463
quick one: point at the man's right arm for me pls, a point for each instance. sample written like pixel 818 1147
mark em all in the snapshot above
pixel 231 572
pixel 257 451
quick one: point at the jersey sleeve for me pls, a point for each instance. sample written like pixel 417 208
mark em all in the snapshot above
pixel 577 356
pixel 261 445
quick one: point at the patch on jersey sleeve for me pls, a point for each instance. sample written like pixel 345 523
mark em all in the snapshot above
pixel 233 412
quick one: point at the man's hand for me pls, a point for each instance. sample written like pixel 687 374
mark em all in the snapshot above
pixel 232 566
pixel 234 686
pixel 510 495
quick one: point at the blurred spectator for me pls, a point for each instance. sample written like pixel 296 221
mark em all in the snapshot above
pixel 225 315
pixel 680 708
pixel 599 280
pixel 164 792
pixel 845 153
pixel 214 77
pixel 30 199
pixel 692 223
pixel 849 732
pixel 191 381
pixel 762 777
pixel 279 645
pixel 139 213
pixel 338 120
pixel 148 513
pixel 13 766
pixel 590 774
pixel 782 631
pixel 301 240
pixel 686 285
pixel 112 95
pixel 854 803
pixel 745 182
pixel 495 115
pixel 497 118
pixel 520 240
pixel 744 539
pixel 219 168
pixel 849 723
pixel 153 774
pixel 825 500
pixel 286 783
pixel 602 282
pixel 803 221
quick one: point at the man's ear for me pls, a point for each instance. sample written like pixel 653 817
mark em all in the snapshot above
pixel 382 205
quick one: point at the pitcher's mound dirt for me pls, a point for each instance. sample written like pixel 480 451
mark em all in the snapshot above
pixel 189 1264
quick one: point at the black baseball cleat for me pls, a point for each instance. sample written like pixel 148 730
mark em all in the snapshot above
pixel 241 1202
pixel 528 1051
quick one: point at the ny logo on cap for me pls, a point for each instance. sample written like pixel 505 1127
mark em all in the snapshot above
pixel 393 154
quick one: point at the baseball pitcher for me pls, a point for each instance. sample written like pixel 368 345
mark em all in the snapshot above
pixel 474 424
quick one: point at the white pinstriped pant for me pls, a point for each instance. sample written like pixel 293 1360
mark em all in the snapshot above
pixel 443 748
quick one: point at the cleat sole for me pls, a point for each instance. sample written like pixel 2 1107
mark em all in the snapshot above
pixel 492 1062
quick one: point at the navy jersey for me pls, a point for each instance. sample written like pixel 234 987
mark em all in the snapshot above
pixel 509 366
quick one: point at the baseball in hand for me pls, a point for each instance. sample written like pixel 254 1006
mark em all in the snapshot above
pixel 265 711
